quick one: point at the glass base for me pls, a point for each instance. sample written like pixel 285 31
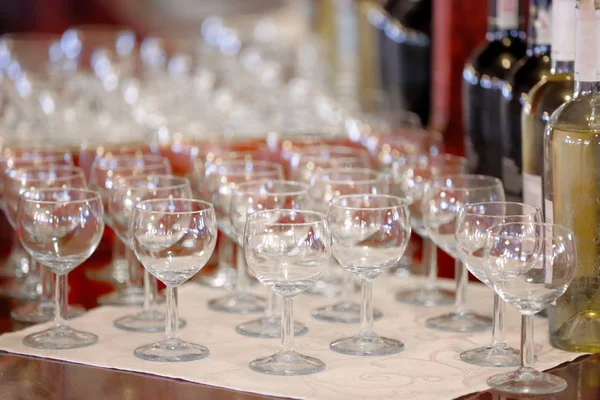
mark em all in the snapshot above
pixel 268 328
pixel 460 322
pixel 130 296
pixel 238 303
pixel 60 338
pixel 27 289
pixel 427 296
pixel 42 312
pixel 527 381
pixel 367 345
pixel 145 321
pixel 171 350
pixel 223 278
pixel 343 311
pixel 332 286
pixel 287 363
pixel 115 273
pixel 492 356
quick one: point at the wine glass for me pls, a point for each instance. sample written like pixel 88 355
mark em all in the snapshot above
pixel 128 192
pixel 250 197
pixel 370 234
pixel 306 160
pixel 287 251
pixel 173 239
pixel 529 265
pixel 60 228
pixel 105 173
pixel 444 196
pixel 409 177
pixel 327 184
pixel 219 183
pixel 17 181
pixel 471 228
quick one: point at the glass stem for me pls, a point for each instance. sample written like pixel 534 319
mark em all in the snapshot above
pixel 33 267
pixel 47 280
pixel 150 291
pixel 346 285
pixel 430 262
pixel 462 278
pixel 132 266
pixel 287 326
pixel 527 344
pixel 366 308
pixel 225 252
pixel 242 275
pixel 498 338
pixel 271 309
pixel 61 301
pixel 172 316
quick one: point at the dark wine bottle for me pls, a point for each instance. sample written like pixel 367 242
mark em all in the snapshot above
pixel 531 69
pixel 483 79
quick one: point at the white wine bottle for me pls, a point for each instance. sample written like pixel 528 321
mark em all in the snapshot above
pixel 572 188
pixel 545 97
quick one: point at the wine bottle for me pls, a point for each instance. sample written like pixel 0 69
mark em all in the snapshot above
pixel 528 71
pixel 545 97
pixel 572 188
pixel 483 78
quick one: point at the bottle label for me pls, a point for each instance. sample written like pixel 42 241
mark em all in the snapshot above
pixel 563 30
pixel 542 26
pixel 532 190
pixel 586 44
pixel 507 14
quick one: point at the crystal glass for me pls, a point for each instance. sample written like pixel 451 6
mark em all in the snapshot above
pixel 104 175
pixel 370 234
pixel 287 251
pixel 474 220
pixel 130 191
pixel 327 184
pixel 219 183
pixel 530 265
pixel 409 177
pixel 444 196
pixel 17 181
pixel 48 221
pixel 173 239
pixel 250 197
pixel 305 161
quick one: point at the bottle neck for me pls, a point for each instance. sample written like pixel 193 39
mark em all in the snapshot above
pixel 503 18
pixel 563 36
pixel 587 67
pixel 539 34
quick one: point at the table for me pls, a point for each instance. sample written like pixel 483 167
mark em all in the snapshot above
pixel 33 378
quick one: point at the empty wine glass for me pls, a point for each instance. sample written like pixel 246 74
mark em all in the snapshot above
pixel 60 228
pixel 327 184
pixel 409 177
pixel 444 196
pixel 219 183
pixel 128 192
pixel 370 234
pixel 287 251
pixel 173 239
pixel 529 265
pixel 248 198
pixel 17 181
pixel 105 173
pixel 473 222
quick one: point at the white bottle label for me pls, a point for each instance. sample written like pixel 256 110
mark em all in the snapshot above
pixel 532 190
pixel 586 44
pixel 542 26
pixel 563 30
pixel 507 14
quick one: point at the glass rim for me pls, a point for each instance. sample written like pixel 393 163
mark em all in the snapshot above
pixel 122 181
pixel 401 202
pixel 376 176
pixel 322 216
pixel 208 207
pixel 59 155
pixel 304 187
pixel 77 171
pixel 224 167
pixel 491 181
pixel 463 209
pixel 94 195
pixel 545 225
pixel 144 167
pixel 101 160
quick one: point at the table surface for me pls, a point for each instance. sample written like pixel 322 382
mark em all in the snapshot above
pixel 24 377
